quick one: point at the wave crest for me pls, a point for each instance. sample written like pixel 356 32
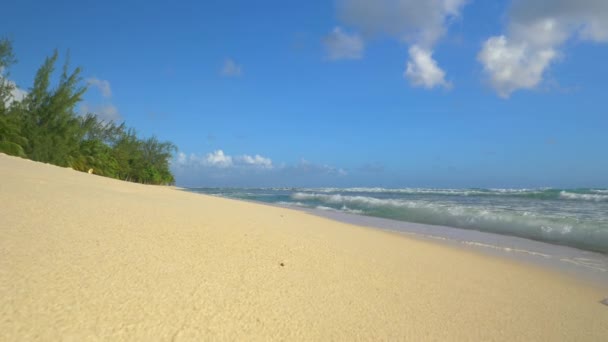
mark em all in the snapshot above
pixel 584 197
pixel 528 224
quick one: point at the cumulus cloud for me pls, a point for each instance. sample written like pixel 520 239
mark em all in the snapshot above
pixel 422 69
pixel 219 159
pixel 534 38
pixel 256 160
pixel 102 85
pixel 420 23
pixel 106 112
pixel 231 69
pixel 218 168
pixel 341 45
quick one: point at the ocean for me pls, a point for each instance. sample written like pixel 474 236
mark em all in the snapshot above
pixel 571 217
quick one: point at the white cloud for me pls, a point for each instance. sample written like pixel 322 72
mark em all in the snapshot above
pixel 341 45
pixel 256 160
pixel 422 69
pixel 182 158
pixel 220 169
pixel 536 32
pixel 102 85
pixel 420 23
pixel 218 159
pixel 513 66
pixel 106 112
pixel 16 93
pixel 231 69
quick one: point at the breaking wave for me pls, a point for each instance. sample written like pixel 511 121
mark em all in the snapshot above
pixel 584 197
pixel 540 193
pixel 573 217
pixel 556 228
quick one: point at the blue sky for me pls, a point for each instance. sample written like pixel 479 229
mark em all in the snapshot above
pixel 443 93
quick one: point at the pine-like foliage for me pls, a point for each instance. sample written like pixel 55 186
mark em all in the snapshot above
pixel 45 127
pixel 11 139
pixel 49 118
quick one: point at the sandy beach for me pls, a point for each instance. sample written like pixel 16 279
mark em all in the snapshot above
pixel 84 257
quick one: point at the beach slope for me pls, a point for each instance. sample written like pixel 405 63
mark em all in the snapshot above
pixel 84 257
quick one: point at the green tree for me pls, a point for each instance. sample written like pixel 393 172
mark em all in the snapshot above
pixel 128 154
pixel 156 156
pixel 44 126
pixel 50 122
pixel 92 152
pixel 11 139
pixel 7 58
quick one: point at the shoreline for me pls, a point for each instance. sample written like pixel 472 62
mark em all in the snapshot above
pixel 541 214
pixel 84 257
pixel 579 263
pixel 588 265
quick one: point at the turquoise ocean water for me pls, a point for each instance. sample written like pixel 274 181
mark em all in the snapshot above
pixel 571 217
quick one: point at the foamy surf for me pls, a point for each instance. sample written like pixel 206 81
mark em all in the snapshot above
pixel 572 217
pixel 584 197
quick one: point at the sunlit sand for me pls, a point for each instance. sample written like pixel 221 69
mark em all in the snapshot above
pixel 84 257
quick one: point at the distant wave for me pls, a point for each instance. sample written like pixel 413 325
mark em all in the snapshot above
pixel 338 199
pixel 534 193
pixel 344 208
pixel 541 193
pixel 584 197
pixel 425 191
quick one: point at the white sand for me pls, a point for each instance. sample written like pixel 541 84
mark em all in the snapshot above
pixel 89 258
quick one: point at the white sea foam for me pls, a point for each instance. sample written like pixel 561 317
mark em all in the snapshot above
pixel 438 209
pixel 360 200
pixel 292 204
pixel 584 197
pixel 324 208
pixel 351 211
pixel 574 217
pixel 550 226
pixel 595 265
pixel 600 191
pixel 426 191
pixel 342 209
pixel 506 249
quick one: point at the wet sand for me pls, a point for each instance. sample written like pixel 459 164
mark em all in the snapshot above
pixel 585 265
